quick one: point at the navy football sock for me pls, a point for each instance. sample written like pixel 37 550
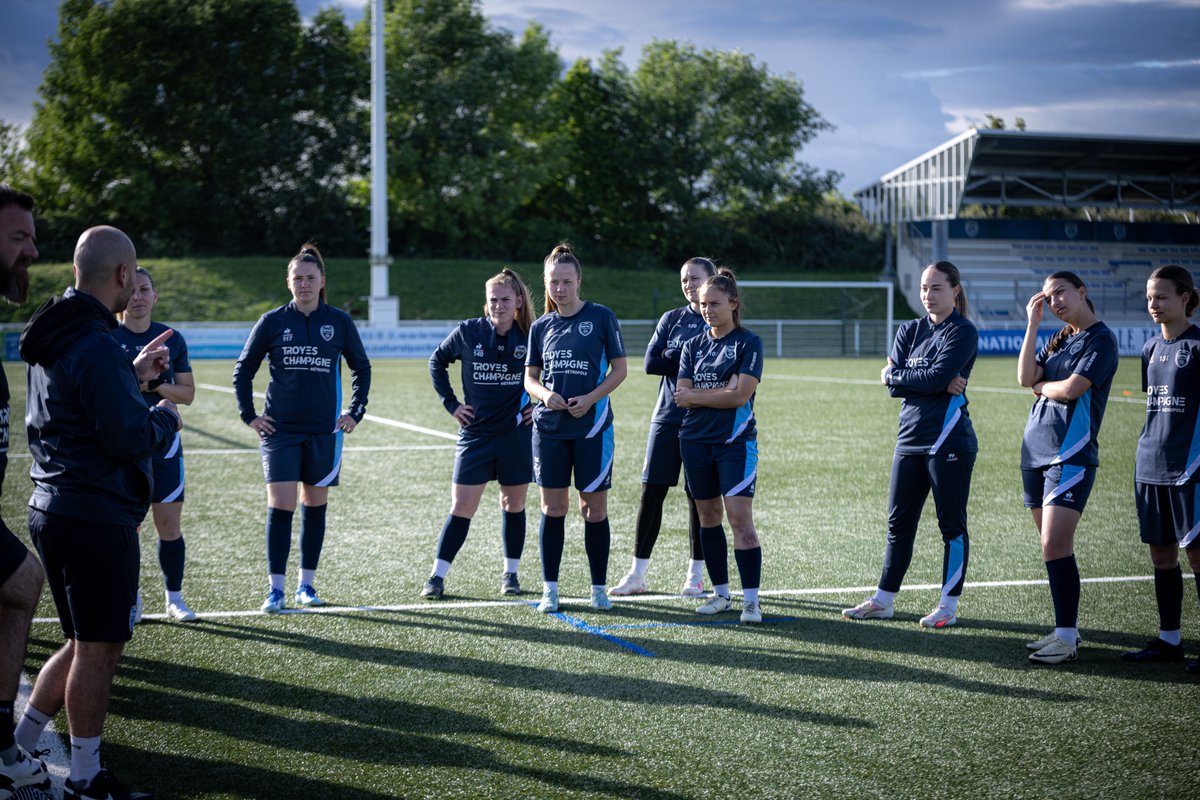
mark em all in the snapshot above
pixel 513 531
pixel 279 539
pixel 454 533
pixel 716 554
pixel 1168 591
pixel 1064 591
pixel 312 535
pixel 749 563
pixel 694 527
pixel 170 558
pixel 551 536
pixel 596 540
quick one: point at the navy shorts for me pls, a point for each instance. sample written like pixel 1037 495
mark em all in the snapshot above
pixel 720 470
pixel 13 553
pixel 1063 485
pixel 1168 515
pixel 168 475
pixel 92 570
pixel 313 458
pixel 590 459
pixel 663 458
pixel 507 458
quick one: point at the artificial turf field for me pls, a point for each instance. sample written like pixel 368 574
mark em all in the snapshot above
pixel 478 697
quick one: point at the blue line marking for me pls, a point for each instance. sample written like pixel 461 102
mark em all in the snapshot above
pixel 592 629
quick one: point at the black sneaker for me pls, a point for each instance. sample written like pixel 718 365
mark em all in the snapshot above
pixel 509 583
pixel 104 786
pixel 1155 650
pixel 434 588
pixel 1193 667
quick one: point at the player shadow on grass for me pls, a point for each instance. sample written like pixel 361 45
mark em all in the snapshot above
pixel 241 443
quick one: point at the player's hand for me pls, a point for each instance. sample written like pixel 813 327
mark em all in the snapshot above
pixel 555 402
pixel 527 415
pixel 958 385
pixel 174 409
pixel 883 372
pixel 683 398
pixel 154 358
pixel 263 425
pixel 1037 388
pixel 1034 309
pixel 578 406
pixel 464 414
pixel 345 423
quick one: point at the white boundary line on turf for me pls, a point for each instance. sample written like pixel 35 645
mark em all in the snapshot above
pixel 393 423
pixel 989 389
pixel 56 758
pixel 581 601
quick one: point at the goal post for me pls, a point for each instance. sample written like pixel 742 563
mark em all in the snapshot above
pixel 820 318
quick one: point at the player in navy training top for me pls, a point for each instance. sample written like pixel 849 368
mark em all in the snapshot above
pixel 1070 377
pixel 494 440
pixel 174 383
pixel 928 369
pixel 300 429
pixel 719 372
pixel 576 359
pixel 663 459
pixel 1168 454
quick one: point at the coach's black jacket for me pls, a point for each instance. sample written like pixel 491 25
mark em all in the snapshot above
pixel 90 432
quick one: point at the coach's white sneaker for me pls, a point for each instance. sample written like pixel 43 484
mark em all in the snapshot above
pixel 751 613
pixel 1047 639
pixel 715 605
pixel 178 611
pixel 692 587
pixel 25 774
pixel 869 609
pixel 940 617
pixel 630 584
pixel 1056 652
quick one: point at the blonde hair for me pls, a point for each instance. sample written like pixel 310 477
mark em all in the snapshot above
pixel 561 254
pixel 506 277
pixel 727 283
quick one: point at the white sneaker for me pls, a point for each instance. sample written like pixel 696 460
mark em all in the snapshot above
pixel 23 776
pixel 940 617
pixel 1056 652
pixel 751 613
pixel 692 587
pixel 715 605
pixel 179 611
pixel 1047 639
pixel 600 600
pixel 549 601
pixel 630 584
pixel 869 609
pixel 137 609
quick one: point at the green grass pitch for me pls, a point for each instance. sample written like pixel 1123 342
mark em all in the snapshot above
pixel 473 697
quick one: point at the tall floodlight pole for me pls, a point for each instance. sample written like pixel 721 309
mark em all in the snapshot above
pixel 384 310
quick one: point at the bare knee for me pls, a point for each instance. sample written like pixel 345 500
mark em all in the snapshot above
pixel 24 587
pixel 1164 557
pixel 594 506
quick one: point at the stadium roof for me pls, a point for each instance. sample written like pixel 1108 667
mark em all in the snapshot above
pixel 1018 168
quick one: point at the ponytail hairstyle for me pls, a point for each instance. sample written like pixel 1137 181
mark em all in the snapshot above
pixel 727 283
pixel 506 277
pixel 1183 284
pixel 561 254
pixel 1057 340
pixel 955 278
pixel 309 253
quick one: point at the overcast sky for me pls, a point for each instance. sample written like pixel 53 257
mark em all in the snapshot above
pixel 896 77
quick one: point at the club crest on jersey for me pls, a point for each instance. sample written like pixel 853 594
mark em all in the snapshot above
pixel 327 332
pixel 519 352
pixel 479 351
pixel 730 351
pixel 1075 348
pixel 585 328
pixel 1182 358
pixel 287 334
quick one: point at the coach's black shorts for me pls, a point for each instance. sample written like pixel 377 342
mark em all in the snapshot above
pixel 313 458
pixel 168 475
pixel 1169 515
pixel 13 553
pixel 92 570
pixel 507 458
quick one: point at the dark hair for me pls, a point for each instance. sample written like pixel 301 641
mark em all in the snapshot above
pixel 703 263
pixel 309 253
pixel 10 196
pixel 561 254
pixel 952 274
pixel 509 278
pixel 1057 340
pixel 727 283
pixel 1183 284
pixel 146 272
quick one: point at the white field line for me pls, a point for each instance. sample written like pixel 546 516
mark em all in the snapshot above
pixel 58 760
pixel 989 389
pixel 581 601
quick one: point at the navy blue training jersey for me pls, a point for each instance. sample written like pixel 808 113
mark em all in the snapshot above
pixel 132 344
pixel 304 355
pixel 662 358
pixel 925 358
pixel 709 364
pixel 493 375
pixel 1065 433
pixel 1168 450
pixel 574 353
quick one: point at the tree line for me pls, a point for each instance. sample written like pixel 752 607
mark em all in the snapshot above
pixel 226 127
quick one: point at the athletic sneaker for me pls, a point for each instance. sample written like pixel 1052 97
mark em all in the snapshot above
pixel 1154 651
pixel 1193 667
pixel 630 584
pixel 715 605
pixel 137 608
pixel 549 601
pixel 600 600
pixel 306 596
pixel 104 786
pixel 179 611
pixel 509 583
pixel 26 772
pixel 1056 652
pixel 31 793
pixel 940 617
pixel 274 603
pixel 434 588
pixel 869 609
pixel 692 587
pixel 751 613
pixel 1047 639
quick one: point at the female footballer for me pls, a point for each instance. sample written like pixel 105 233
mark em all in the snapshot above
pixel 1166 477
pixel 576 359
pixel 928 368
pixel 663 462
pixel 1070 377
pixel 175 383
pixel 300 430
pixel 494 415
pixel 719 372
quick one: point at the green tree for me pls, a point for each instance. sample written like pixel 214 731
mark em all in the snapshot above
pixel 13 164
